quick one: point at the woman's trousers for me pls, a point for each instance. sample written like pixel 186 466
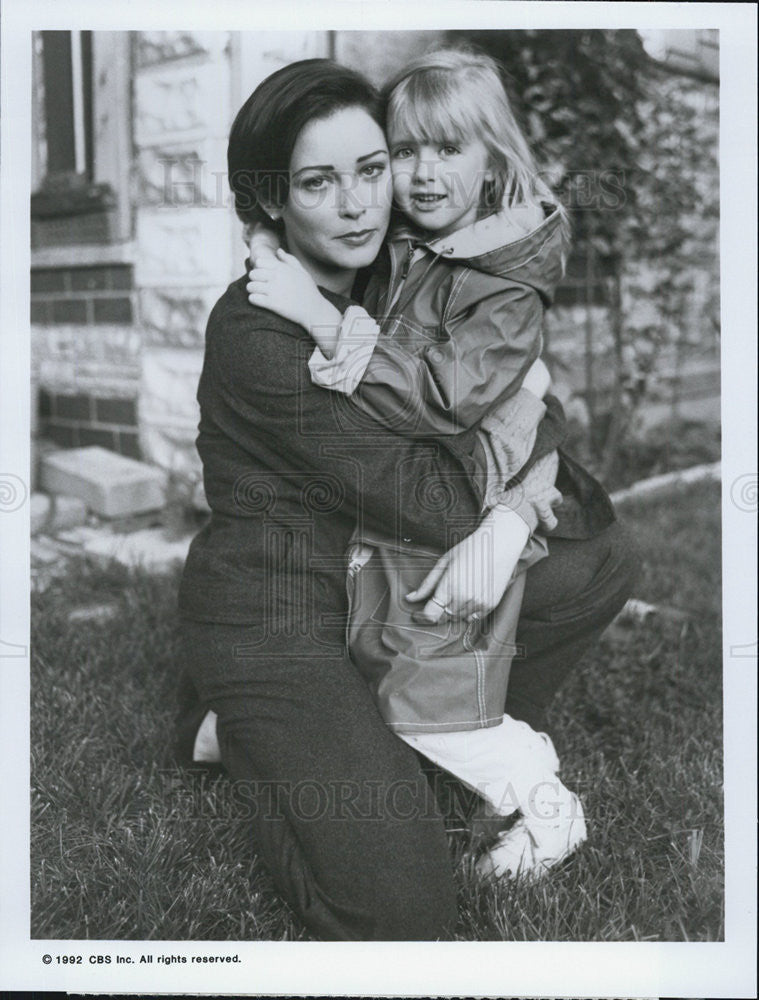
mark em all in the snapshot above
pixel 341 813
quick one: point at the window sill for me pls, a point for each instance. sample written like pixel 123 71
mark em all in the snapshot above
pixel 68 196
pixel 67 210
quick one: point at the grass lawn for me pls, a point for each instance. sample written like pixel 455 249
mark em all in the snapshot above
pixel 125 846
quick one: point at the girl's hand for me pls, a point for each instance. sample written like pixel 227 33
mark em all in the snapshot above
pixel 262 245
pixel 472 577
pixel 261 241
pixel 538 379
pixel 281 284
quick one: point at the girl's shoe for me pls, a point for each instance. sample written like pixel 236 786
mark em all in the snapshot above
pixel 535 844
pixel 510 856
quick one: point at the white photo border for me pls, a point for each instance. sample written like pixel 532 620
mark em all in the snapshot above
pixel 464 968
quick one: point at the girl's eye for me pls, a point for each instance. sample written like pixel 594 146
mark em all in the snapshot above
pixel 449 150
pixel 372 170
pixel 402 153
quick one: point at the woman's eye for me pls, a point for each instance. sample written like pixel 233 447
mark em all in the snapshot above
pixel 314 183
pixel 402 153
pixel 372 170
pixel 449 150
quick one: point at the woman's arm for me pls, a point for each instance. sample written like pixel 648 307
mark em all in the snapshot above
pixel 445 388
pixel 509 429
pixel 273 412
pixel 472 577
pixel 394 483
pixel 393 386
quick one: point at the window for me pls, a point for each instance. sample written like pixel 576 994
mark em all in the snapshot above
pixel 80 172
pixel 67 85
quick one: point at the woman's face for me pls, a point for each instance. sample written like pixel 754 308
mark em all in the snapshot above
pixel 338 206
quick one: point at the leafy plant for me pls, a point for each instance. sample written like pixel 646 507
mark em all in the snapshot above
pixel 632 151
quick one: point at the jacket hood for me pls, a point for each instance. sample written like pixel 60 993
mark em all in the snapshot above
pixel 514 244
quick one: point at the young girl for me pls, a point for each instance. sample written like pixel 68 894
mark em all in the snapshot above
pixel 470 271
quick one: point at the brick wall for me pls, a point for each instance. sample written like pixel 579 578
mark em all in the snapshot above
pixel 79 303
pixel 82 294
pixel 74 421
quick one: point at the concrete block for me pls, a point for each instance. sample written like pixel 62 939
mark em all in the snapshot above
pixel 110 484
pixel 39 447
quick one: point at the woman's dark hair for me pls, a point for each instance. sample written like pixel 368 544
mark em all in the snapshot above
pixel 267 126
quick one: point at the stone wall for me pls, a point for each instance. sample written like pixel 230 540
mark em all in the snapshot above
pixel 187 88
pixel 181 92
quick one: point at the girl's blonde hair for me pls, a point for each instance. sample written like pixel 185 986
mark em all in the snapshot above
pixel 458 94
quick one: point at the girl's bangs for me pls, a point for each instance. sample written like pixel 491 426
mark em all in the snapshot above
pixel 426 111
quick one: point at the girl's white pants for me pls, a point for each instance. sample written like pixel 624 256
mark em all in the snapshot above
pixel 513 768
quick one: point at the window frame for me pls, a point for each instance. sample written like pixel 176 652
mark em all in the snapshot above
pixel 108 188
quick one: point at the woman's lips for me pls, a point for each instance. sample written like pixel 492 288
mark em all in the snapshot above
pixel 357 239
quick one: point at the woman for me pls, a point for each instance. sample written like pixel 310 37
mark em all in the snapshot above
pixel 344 819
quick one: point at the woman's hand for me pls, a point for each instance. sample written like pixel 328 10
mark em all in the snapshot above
pixel 281 284
pixel 472 577
pixel 538 379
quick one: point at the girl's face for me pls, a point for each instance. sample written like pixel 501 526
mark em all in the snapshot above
pixel 438 185
pixel 338 205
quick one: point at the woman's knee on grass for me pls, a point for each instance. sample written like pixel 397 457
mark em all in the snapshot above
pixel 582 584
pixel 418 905
pixel 400 864
pixel 372 879
pixel 619 572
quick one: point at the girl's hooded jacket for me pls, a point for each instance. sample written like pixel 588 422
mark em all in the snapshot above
pixel 460 322
pixel 470 305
